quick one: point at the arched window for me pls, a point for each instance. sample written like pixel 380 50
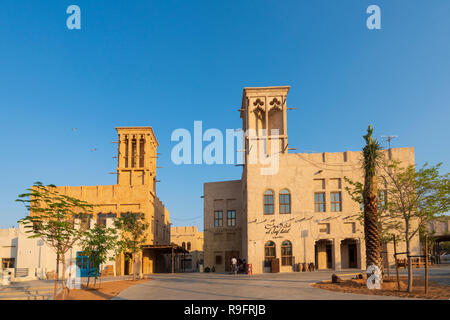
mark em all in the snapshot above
pixel 286 253
pixel 268 202
pixel 189 246
pixel 269 253
pixel 183 245
pixel 285 201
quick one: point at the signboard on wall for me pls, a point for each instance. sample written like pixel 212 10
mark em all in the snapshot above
pixel 278 228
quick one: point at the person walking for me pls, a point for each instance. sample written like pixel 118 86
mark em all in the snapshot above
pixel 233 265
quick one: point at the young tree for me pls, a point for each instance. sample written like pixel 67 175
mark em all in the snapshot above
pixel 132 228
pixel 415 197
pixel 52 218
pixel 96 243
pixel 372 156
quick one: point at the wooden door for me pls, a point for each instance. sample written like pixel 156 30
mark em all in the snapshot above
pixel 275 265
pixel 321 257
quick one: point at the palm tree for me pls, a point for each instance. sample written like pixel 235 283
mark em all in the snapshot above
pixel 372 155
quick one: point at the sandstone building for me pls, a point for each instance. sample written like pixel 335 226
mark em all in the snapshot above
pixel 135 192
pixel 299 214
pixel 190 239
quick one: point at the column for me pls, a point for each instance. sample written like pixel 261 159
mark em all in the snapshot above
pixel 284 133
pixel 337 253
pixel 361 249
pixel 121 151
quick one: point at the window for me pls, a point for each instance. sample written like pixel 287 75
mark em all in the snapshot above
pixel 231 218
pixel 324 228
pixel 126 152
pixel 84 220
pixel 286 253
pixel 133 153
pixel 188 246
pixel 319 183
pixel 218 219
pixel 335 183
pixel 183 245
pixel 361 204
pixel 268 202
pixel 218 236
pixel 336 201
pixel 285 201
pixel 8 263
pixel 382 197
pixel 218 259
pixel 349 227
pixel 269 253
pixel 101 218
pixel 319 201
pixel 141 153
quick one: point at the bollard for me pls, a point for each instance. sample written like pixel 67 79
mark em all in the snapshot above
pixel 335 279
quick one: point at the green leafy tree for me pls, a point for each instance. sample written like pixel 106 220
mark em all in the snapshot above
pixel 133 227
pixel 415 197
pixel 96 243
pixel 52 217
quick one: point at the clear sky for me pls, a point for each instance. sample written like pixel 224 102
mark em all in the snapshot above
pixel 168 63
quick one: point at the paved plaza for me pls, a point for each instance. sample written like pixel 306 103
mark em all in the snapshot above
pixel 217 286
pixel 281 286
pixel 213 286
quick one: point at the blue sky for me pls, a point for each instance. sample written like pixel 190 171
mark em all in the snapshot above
pixel 168 63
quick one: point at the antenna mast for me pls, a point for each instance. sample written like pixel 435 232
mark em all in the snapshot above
pixel 388 139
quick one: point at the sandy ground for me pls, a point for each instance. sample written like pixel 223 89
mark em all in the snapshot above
pixel 390 288
pixel 106 291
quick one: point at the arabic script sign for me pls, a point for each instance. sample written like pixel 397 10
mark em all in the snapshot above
pixel 276 229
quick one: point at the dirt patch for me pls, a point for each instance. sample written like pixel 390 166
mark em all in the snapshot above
pixel 390 288
pixel 107 290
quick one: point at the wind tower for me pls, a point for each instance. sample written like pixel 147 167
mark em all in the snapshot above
pixel 264 110
pixel 137 150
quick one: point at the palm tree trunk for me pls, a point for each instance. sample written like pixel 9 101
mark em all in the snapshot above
pixel 371 227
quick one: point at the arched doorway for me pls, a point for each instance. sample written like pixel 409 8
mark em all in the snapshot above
pixel 270 257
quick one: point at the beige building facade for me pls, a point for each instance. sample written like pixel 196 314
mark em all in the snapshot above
pixel 135 192
pixel 8 249
pixel 299 213
pixel 190 239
